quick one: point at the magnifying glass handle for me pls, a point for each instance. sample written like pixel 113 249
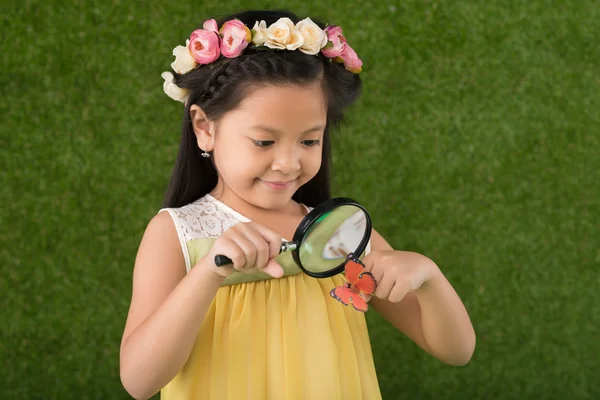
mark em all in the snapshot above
pixel 221 260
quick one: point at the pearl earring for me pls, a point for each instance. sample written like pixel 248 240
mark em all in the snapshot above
pixel 205 154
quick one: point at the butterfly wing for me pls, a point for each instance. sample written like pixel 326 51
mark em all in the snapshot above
pixel 346 296
pixel 358 303
pixel 353 269
pixel 341 294
pixel 359 278
pixel 366 283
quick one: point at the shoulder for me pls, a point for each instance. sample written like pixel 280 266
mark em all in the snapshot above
pixel 159 255
pixel 163 222
pixel 161 235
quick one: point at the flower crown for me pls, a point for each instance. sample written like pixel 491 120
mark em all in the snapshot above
pixel 206 45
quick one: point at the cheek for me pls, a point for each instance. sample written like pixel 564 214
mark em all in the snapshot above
pixel 312 164
pixel 238 163
pixel 229 159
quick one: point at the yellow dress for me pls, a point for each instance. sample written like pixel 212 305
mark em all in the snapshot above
pixel 265 338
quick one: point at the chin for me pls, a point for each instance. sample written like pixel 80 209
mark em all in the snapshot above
pixel 267 198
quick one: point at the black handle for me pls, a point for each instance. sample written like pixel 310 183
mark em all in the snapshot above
pixel 221 260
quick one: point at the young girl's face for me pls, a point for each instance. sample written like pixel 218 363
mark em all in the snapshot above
pixel 271 144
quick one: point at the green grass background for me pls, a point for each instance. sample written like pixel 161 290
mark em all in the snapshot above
pixel 476 143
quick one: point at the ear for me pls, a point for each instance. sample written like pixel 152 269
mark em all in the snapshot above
pixel 204 129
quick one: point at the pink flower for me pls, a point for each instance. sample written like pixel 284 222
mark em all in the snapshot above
pixel 236 37
pixel 335 42
pixel 350 60
pixel 210 25
pixel 204 43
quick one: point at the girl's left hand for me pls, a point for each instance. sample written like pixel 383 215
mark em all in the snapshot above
pixel 398 273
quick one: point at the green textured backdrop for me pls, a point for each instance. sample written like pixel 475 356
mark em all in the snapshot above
pixel 476 143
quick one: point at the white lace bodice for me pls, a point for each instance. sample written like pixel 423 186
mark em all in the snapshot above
pixel 206 217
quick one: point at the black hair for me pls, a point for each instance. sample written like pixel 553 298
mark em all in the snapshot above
pixel 220 87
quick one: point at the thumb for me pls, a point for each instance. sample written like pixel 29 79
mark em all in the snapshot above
pixel 273 268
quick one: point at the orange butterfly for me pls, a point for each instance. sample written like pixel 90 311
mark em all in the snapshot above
pixel 359 281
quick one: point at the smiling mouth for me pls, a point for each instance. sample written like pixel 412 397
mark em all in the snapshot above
pixel 278 185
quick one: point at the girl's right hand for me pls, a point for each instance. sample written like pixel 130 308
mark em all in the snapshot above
pixel 250 246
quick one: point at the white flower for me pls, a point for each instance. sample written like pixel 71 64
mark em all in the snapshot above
pixel 284 35
pixel 315 38
pixel 172 90
pixel 259 33
pixel 184 62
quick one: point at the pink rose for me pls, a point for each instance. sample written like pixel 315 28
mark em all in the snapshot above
pixel 210 25
pixel 236 37
pixel 204 43
pixel 335 42
pixel 350 60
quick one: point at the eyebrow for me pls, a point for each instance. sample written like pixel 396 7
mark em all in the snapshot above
pixel 278 132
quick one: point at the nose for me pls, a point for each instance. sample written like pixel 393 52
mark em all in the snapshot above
pixel 287 161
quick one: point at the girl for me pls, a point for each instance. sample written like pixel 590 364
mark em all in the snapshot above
pixel 262 92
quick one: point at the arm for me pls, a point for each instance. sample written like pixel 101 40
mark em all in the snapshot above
pixel 166 312
pixel 432 316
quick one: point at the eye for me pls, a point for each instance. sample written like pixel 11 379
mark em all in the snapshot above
pixel 311 143
pixel 263 143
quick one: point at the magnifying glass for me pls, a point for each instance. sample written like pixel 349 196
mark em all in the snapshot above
pixel 325 237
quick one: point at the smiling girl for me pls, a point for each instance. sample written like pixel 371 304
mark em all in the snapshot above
pixel 262 92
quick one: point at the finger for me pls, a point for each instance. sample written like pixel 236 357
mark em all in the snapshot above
pixel 398 292
pixel 271 237
pixel 232 251
pixel 369 263
pixel 248 249
pixel 384 287
pixel 261 247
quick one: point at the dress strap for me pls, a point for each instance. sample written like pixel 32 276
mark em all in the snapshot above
pixel 180 226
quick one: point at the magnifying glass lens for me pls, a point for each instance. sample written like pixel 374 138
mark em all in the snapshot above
pixel 332 237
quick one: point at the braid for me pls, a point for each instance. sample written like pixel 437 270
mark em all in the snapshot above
pixel 220 76
pixel 249 68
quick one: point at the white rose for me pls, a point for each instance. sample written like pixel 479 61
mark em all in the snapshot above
pixel 284 35
pixel 184 62
pixel 172 90
pixel 315 38
pixel 259 33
